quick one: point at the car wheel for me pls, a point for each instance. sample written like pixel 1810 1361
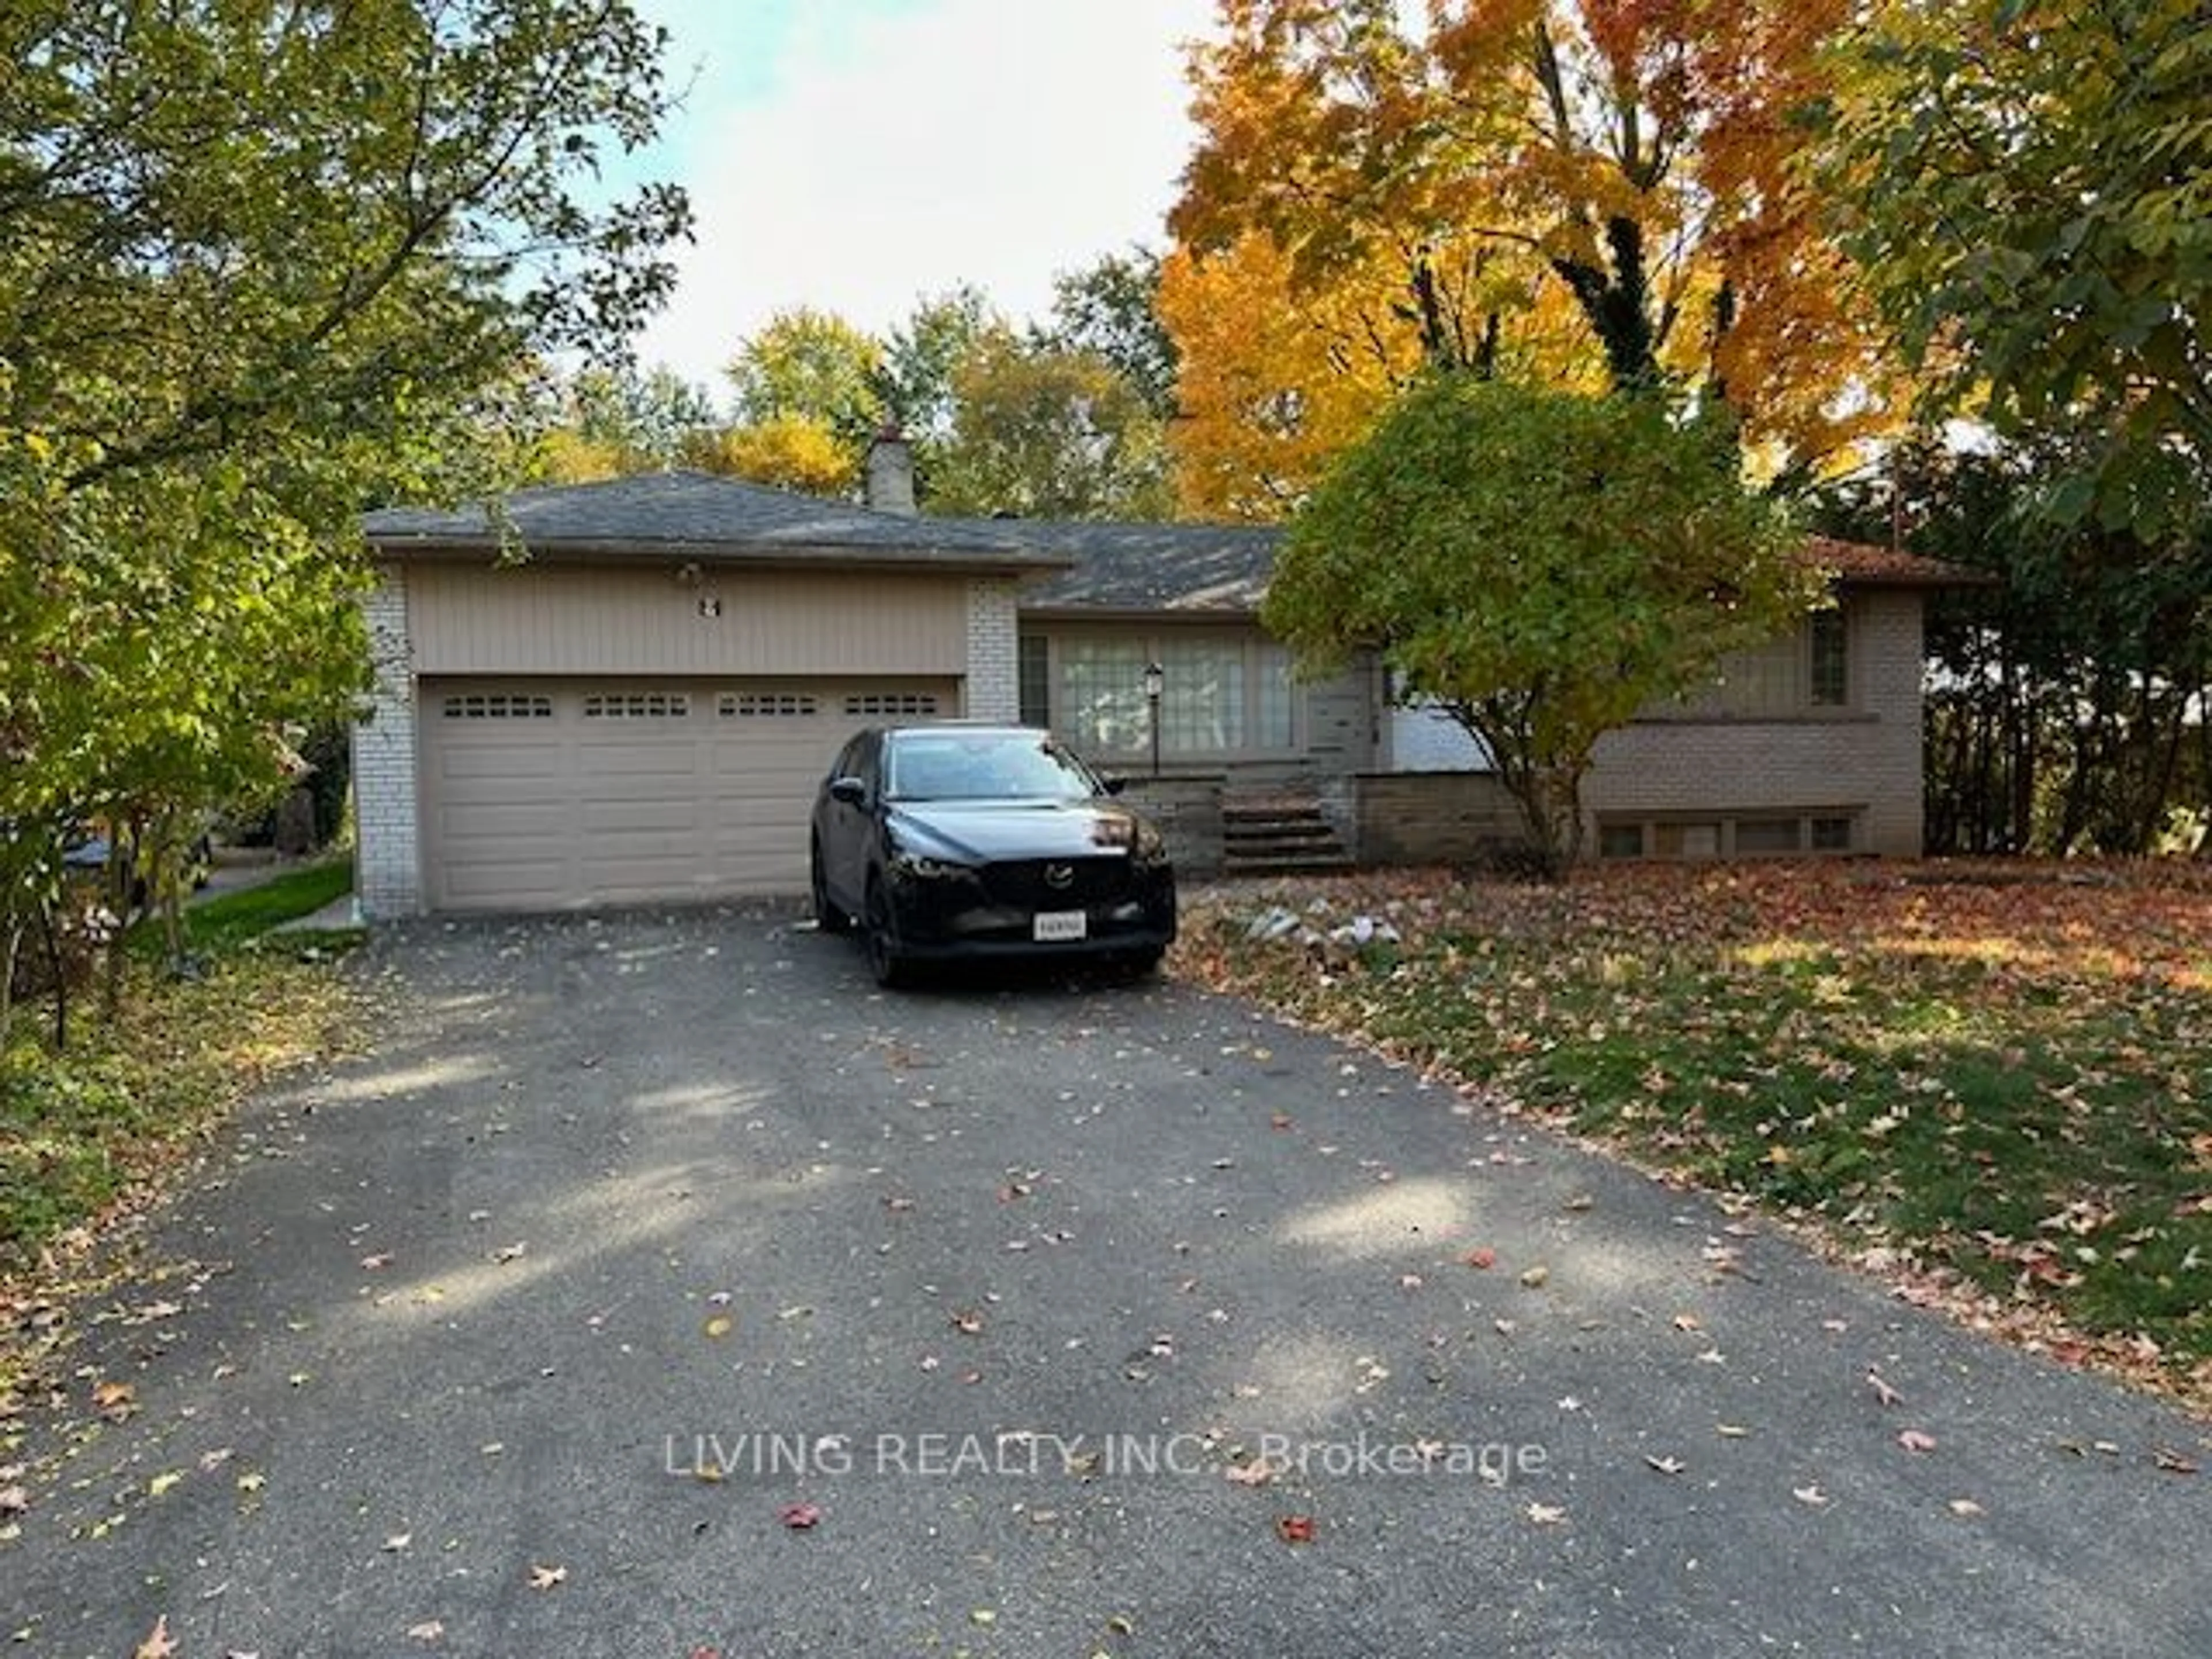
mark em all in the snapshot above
pixel 1140 964
pixel 884 961
pixel 831 919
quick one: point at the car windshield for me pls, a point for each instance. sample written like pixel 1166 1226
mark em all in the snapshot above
pixel 984 766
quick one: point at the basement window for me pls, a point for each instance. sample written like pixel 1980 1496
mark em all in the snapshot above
pixel 1767 835
pixel 498 706
pixel 637 705
pixel 1620 841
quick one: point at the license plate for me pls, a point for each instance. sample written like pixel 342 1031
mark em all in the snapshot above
pixel 1059 925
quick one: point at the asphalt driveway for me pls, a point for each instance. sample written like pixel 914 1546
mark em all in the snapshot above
pixel 639 1240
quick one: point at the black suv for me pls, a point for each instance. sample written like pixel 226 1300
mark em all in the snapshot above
pixel 985 841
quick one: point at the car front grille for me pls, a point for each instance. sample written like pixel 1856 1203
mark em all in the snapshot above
pixel 1058 883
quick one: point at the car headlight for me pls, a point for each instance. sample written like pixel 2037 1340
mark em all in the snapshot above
pixel 916 867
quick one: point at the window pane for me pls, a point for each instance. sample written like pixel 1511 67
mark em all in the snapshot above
pixel 1831 834
pixel 1831 654
pixel 1620 841
pixel 1201 696
pixel 1766 835
pixel 1102 695
pixel 1272 721
pixel 1036 676
pixel 1689 841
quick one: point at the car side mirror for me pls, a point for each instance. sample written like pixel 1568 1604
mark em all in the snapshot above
pixel 1114 783
pixel 850 791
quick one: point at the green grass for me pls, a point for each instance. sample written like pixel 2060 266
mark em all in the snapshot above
pixel 232 919
pixel 2014 1090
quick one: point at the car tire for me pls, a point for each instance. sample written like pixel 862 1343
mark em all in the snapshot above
pixel 1140 964
pixel 884 961
pixel 830 919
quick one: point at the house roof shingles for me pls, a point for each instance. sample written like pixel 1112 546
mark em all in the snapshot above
pixel 700 515
pixel 1147 566
pixel 1078 566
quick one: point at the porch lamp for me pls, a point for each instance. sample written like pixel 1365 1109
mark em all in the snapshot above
pixel 1154 678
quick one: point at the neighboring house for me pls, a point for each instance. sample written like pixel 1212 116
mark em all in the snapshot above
pixel 641 709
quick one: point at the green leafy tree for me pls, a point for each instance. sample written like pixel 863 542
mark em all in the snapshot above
pixel 814 365
pixel 923 355
pixel 1110 309
pixel 260 265
pixel 609 421
pixel 2066 696
pixel 2027 188
pixel 1043 433
pixel 1543 565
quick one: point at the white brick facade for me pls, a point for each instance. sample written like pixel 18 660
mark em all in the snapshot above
pixel 994 658
pixel 1865 759
pixel 387 868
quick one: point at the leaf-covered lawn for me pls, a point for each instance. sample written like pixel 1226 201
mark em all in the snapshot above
pixel 1993 1082
pixel 97 1130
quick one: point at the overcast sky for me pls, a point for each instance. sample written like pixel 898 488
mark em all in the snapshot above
pixel 856 155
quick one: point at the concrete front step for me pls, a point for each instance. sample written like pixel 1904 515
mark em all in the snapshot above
pixel 1278 836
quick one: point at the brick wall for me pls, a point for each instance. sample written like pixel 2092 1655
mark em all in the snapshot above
pixel 387 858
pixel 994 667
pixel 1422 818
pixel 1187 811
pixel 1865 759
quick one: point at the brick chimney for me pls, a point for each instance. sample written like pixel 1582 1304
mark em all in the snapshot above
pixel 890 473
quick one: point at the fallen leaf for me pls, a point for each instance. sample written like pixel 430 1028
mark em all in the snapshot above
pixel 800 1517
pixel 1882 1391
pixel 429 1631
pixel 968 1322
pixel 1964 1507
pixel 1689 1321
pixel 14 1500
pixel 507 1253
pixel 544 1577
pixel 1257 1473
pixel 1812 1495
pixel 1547 1515
pixel 113 1396
pixel 2172 1462
pixel 251 1482
pixel 1536 1278
pixel 373 1262
pixel 163 1482
pixel 1295 1529
pixel 1666 1465
pixel 397 1542
pixel 719 1327
pixel 1481 1256
pixel 1914 1440
pixel 157 1645
pixel 984 1616
pixel 1731 1432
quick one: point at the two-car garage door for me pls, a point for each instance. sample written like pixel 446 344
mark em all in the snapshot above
pixel 541 795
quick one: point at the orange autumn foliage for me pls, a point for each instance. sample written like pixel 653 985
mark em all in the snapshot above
pixel 1602 190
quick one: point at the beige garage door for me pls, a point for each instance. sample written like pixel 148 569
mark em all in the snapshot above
pixel 590 792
